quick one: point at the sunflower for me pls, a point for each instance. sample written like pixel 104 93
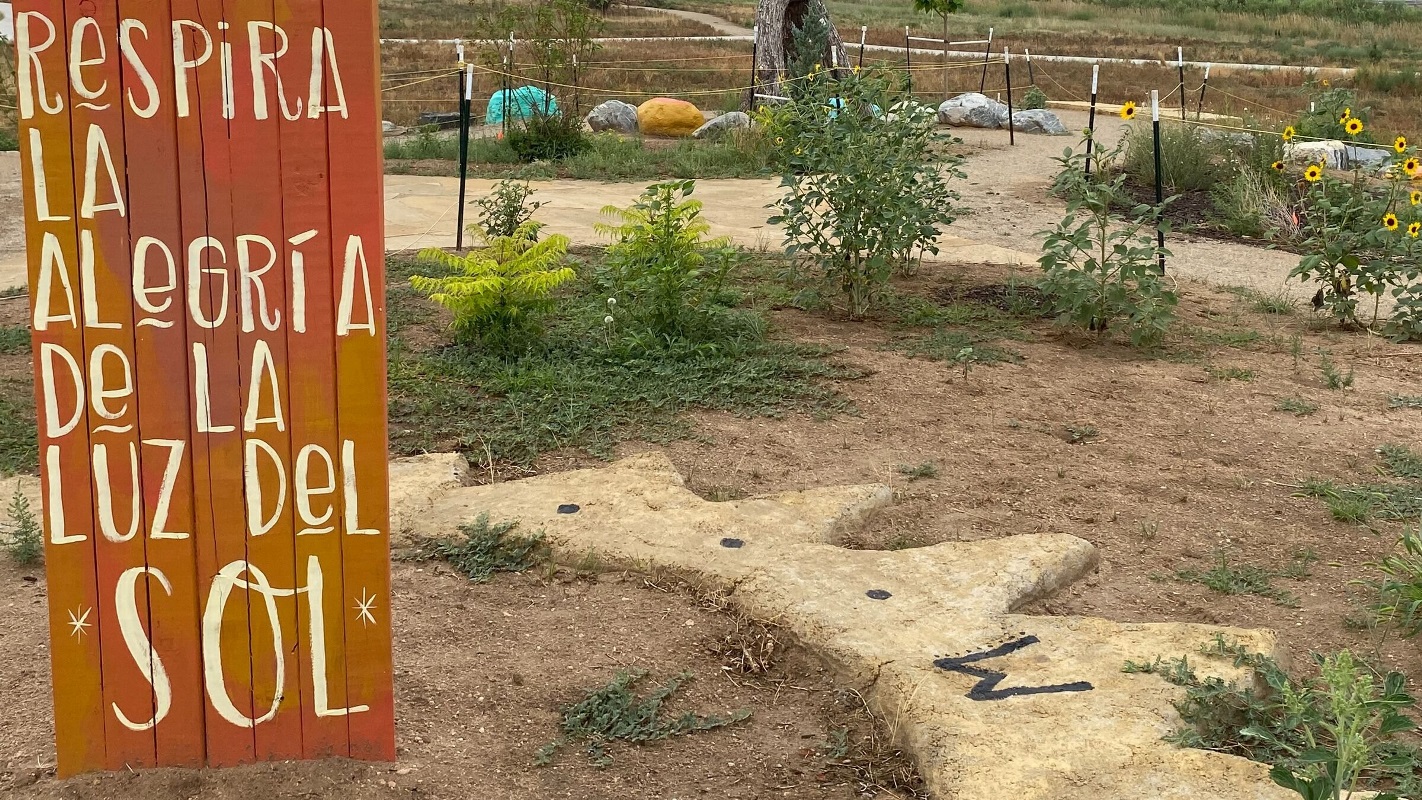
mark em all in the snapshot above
pixel 1390 221
pixel 1400 144
pixel 1416 198
pixel 1414 230
pixel 1277 166
pixel 1410 166
pixel 1314 173
pixel 780 140
pixel 1353 126
pixel 1289 134
pixel 1347 114
pixel 1128 111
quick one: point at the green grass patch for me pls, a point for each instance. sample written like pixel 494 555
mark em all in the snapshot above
pixel 1405 401
pixel 483 549
pixel 913 472
pixel 1230 373
pixel 1240 579
pixel 957 346
pixel 1297 406
pixel 1361 503
pixel 608 158
pixel 14 339
pixel 19 433
pixel 584 385
pixel 615 713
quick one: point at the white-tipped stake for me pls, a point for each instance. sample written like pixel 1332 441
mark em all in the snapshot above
pixel 990 35
pixel 863 35
pixel 1095 77
pixel 1155 105
pixel 459 52
pixel 469 82
pixel 1207 71
pixel 1180 56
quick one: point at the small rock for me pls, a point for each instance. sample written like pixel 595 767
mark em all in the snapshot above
pixel 1038 120
pixel 386 126
pixel 719 126
pixel 439 119
pixel 613 115
pixel 973 110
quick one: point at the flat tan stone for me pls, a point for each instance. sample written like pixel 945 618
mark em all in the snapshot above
pixel 1050 714
pixel 415 482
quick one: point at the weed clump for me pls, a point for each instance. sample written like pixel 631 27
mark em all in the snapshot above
pixel 485 549
pixel 615 713
pixel 1326 737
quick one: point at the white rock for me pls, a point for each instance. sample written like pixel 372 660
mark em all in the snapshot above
pixel 973 110
pixel 613 115
pixel 1331 153
pixel 717 127
pixel 1038 120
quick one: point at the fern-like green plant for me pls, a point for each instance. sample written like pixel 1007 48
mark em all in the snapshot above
pixel 498 292
pixel 662 262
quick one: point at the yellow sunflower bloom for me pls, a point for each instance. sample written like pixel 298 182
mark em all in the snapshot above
pixel 1128 111
pixel 1414 230
pixel 1389 221
pixel 1416 198
pixel 1314 173
pixel 1410 166
pixel 1354 126
pixel 1277 166
pixel 1400 144
pixel 1347 112
pixel 1289 134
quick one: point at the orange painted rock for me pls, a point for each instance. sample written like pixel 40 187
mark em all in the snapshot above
pixel 663 116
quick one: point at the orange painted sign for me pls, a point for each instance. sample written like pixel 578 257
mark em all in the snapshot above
pixel 205 239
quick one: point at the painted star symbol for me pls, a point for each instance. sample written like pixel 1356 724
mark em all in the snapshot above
pixel 363 607
pixel 79 621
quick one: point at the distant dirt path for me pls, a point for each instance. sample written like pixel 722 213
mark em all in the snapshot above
pixel 721 26
pixel 1004 198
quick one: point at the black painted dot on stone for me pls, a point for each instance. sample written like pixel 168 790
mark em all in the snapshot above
pixel 732 544
pixel 569 508
pixel 878 594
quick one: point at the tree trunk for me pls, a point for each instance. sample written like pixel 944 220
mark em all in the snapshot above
pixel 775 22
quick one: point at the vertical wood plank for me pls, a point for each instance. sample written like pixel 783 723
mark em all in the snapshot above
pixel 162 371
pixel 100 160
pixel 314 408
pixel 257 201
pixel 358 253
pixel 205 174
pixel 58 343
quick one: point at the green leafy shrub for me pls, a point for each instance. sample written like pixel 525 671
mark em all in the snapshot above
pixel 1330 110
pixel 506 209
pixel 497 292
pixel 1338 733
pixel 1399 600
pixel 548 137
pixel 864 192
pixel 1099 273
pixel 25 540
pixel 809 42
pixel 1035 98
pixel 663 266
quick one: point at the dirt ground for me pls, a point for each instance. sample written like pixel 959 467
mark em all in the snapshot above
pixel 481 673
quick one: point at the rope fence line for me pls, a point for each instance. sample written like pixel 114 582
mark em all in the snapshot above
pixel 440 76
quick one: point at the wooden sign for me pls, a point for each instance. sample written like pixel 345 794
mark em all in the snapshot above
pixel 205 239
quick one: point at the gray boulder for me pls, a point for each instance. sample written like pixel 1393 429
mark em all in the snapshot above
pixel 973 110
pixel 716 127
pixel 613 115
pixel 1038 120
pixel 1364 157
